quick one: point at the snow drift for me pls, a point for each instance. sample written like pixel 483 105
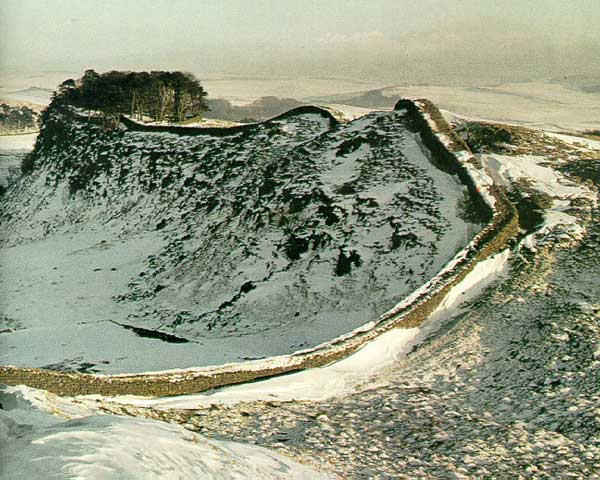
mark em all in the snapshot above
pixel 35 444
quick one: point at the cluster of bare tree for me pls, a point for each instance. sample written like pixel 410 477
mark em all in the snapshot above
pixel 172 96
pixel 17 119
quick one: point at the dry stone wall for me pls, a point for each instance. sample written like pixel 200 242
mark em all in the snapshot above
pixel 451 153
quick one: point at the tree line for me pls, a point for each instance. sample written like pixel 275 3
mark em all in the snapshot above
pixel 157 95
pixel 17 119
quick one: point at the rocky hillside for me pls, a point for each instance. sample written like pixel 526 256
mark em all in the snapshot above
pixel 240 243
pixel 501 382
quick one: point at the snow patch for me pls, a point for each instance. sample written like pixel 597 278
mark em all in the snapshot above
pixel 23 142
pixel 106 446
pixel 529 168
pixel 581 142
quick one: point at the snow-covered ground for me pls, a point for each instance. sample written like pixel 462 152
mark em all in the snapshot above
pixel 79 440
pixel 538 104
pixel 35 444
pixel 490 387
pixel 505 385
pixel 581 142
pixel 17 142
pixel 545 106
pixel 242 91
pixel 194 251
pixel 539 176
pixel 341 378
pixel 12 150
pixel 350 112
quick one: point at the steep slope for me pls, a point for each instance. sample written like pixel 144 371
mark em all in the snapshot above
pixel 192 249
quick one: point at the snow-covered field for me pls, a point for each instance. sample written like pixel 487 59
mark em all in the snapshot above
pixel 242 91
pixel 17 142
pixel 581 142
pixel 12 150
pixel 510 377
pixel 545 106
pixel 535 171
pixel 538 104
pixel 492 387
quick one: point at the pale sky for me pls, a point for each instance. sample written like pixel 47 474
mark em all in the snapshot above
pixel 382 40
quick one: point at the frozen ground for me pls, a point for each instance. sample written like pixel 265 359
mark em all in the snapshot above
pixel 129 252
pixel 34 444
pixel 504 386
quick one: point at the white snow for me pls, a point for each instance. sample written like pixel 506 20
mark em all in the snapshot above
pixel 345 169
pixel 18 142
pixel 341 378
pixel 483 181
pixel 510 169
pixel 581 142
pixel 110 447
pixel 546 179
pixel 474 282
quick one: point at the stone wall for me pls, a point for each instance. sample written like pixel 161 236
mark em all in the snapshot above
pixel 226 131
pixel 502 226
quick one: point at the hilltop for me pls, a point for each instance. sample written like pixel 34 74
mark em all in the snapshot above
pixel 219 245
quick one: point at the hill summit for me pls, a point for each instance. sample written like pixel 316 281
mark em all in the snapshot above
pixel 221 244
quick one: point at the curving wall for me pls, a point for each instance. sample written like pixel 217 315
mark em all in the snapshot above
pixel 226 131
pixel 447 149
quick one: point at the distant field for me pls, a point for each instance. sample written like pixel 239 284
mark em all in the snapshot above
pixel 243 91
pixel 538 105
pixel 550 106
pixel 535 104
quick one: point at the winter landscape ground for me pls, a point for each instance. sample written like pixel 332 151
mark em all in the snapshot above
pixel 144 256
pixel 189 250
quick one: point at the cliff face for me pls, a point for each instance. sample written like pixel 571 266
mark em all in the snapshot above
pixel 256 242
